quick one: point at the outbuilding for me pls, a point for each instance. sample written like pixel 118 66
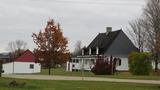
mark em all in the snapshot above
pixel 26 64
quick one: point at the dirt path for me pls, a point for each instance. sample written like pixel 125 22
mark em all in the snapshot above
pixel 53 77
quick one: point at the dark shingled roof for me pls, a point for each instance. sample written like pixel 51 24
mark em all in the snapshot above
pixel 115 43
pixel 103 40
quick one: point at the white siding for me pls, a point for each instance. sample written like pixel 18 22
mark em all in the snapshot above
pixel 21 67
pixel 87 65
pixel 8 68
pixel 153 65
pixel 124 65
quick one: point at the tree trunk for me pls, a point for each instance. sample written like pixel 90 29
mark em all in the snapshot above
pixel 111 64
pixel 114 65
pixel 49 68
pixel 49 71
pixel 156 65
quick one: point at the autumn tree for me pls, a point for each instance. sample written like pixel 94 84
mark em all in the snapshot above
pixel 51 45
pixel 16 48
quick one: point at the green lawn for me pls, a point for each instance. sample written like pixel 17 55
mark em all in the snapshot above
pixel 73 85
pixel 120 75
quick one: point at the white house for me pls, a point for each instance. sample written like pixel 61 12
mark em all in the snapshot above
pixel 110 43
pixel 26 63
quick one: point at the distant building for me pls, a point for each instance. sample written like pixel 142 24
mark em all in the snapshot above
pixel 4 57
pixel 110 43
pixel 26 63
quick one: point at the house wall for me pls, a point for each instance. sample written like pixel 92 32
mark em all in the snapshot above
pixel 76 66
pixel 88 64
pixel 21 67
pixel 124 65
pixel 153 65
pixel 8 68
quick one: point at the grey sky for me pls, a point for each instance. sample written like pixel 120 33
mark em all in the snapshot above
pixel 79 19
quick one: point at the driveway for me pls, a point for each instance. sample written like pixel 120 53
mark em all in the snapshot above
pixel 53 77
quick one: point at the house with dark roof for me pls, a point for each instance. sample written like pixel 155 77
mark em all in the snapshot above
pixel 26 63
pixel 110 43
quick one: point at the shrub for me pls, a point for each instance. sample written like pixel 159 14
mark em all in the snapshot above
pixel 14 83
pixel 104 67
pixel 140 63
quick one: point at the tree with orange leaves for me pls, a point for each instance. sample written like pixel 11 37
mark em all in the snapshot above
pixel 51 45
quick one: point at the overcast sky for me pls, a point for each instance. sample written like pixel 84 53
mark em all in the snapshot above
pixel 79 19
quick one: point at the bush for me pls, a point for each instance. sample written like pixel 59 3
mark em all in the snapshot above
pixel 140 63
pixel 103 67
pixel 14 83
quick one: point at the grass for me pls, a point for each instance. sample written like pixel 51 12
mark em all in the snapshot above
pixel 119 75
pixel 73 85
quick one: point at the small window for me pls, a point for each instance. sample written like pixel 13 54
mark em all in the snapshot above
pixel 77 61
pixel 73 60
pixel 31 66
pixel 119 62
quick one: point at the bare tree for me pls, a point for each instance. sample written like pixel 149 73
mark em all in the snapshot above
pixel 16 47
pixel 147 29
pixel 152 24
pixel 138 34
pixel 78 48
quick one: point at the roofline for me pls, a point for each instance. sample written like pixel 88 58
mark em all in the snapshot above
pixel 120 30
pixel 17 61
pixel 23 54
